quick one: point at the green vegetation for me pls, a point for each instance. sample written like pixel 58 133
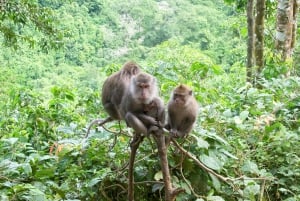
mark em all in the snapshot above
pixel 49 94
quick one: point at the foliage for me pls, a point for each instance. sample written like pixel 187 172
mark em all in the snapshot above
pixel 239 134
pixel 245 134
pixel 18 17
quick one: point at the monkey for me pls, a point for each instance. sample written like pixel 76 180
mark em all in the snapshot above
pixel 141 107
pixel 182 111
pixel 114 88
pixel 154 110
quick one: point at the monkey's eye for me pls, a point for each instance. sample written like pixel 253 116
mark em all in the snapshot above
pixel 144 86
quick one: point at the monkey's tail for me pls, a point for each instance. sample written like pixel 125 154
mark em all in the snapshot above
pixel 99 122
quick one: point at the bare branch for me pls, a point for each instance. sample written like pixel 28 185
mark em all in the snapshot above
pixel 225 179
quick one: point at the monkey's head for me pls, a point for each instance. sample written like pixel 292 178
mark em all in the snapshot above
pixel 143 88
pixel 131 68
pixel 181 95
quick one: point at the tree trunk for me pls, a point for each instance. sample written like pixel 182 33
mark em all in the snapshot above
pixel 294 32
pixel 259 32
pixel 250 46
pixel 284 28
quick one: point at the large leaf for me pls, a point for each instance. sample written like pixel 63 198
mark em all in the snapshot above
pixel 211 162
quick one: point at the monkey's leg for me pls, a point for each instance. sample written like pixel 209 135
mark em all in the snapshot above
pixel 153 129
pixel 112 110
pixel 134 145
pixel 137 125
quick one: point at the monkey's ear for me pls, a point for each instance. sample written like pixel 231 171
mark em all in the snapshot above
pixel 135 70
pixel 191 92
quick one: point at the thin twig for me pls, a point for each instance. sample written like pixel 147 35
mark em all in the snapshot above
pixel 149 182
pixel 225 179
pixel 186 181
pixel 262 189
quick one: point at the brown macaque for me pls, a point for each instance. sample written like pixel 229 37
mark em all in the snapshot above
pixel 182 112
pixel 141 107
pixel 154 110
pixel 115 86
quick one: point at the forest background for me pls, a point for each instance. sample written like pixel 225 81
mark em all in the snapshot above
pixel 55 56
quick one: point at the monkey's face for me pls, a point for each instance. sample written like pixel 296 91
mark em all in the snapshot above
pixel 143 88
pixel 144 93
pixel 179 99
pixel 181 95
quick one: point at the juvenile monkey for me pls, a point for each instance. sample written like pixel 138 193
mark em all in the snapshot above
pixel 114 88
pixel 182 111
pixel 141 107
pixel 154 110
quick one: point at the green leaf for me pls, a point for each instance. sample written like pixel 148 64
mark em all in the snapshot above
pixel 158 176
pixel 244 115
pixel 200 142
pixel 250 167
pixel 211 162
pixel 27 169
pixel 11 141
pixel 227 113
pixel 251 190
pixel 218 70
pixel 185 187
pixel 215 198
pixel 94 181
pixel 216 183
pixel 37 195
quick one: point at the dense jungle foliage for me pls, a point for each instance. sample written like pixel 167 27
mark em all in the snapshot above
pixel 51 78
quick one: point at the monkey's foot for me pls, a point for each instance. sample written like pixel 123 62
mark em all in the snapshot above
pixel 137 139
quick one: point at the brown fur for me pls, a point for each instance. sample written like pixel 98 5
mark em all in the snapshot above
pixel 182 111
pixel 141 106
pixel 114 88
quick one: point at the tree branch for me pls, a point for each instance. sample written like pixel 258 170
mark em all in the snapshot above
pixel 170 192
pixel 225 179
pixel 134 145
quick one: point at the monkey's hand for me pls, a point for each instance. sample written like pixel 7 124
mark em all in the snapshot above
pixel 174 133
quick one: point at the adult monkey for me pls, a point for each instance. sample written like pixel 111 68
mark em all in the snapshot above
pixel 144 111
pixel 141 107
pixel 113 90
pixel 182 111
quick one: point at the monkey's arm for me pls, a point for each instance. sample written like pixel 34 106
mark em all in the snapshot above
pixel 148 120
pixel 161 116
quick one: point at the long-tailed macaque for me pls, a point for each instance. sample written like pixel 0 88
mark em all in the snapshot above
pixel 182 111
pixel 141 107
pixel 154 110
pixel 115 86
